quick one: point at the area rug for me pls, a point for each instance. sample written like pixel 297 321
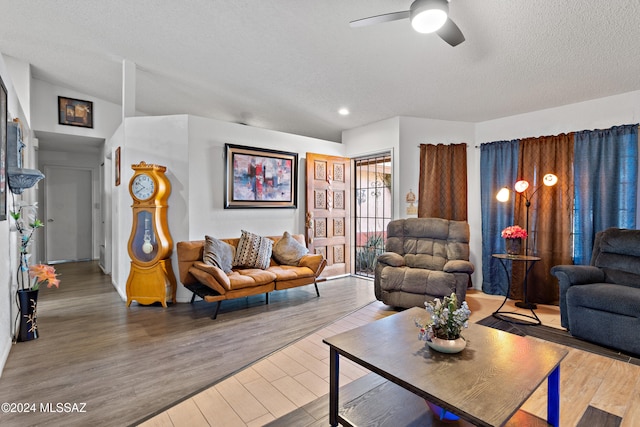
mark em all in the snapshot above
pixel 558 336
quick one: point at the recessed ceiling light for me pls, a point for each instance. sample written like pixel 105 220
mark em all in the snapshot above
pixel 343 111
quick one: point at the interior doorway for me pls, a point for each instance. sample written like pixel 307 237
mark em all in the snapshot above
pixel 373 209
pixel 68 208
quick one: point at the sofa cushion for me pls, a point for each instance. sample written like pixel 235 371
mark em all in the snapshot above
pixel 606 297
pixel 218 253
pixel 417 281
pixel 426 261
pixel 288 251
pixel 288 272
pixel 391 258
pixel 620 241
pixel 250 277
pixel 617 253
pixel 253 251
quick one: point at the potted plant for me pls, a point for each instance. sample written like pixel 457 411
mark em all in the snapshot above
pixel 443 330
pixel 443 333
pixel 27 293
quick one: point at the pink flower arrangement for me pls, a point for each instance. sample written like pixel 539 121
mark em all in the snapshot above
pixel 514 232
pixel 43 274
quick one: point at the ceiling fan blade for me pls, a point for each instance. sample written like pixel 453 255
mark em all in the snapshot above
pixel 451 33
pixel 378 19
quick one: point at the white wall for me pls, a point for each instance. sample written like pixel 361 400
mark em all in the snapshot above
pixel 8 238
pixel 376 138
pixel 207 138
pixel 599 113
pixel 44 111
pixel 403 136
pixel 111 203
pixel 21 75
pixel 192 149
pixel 159 140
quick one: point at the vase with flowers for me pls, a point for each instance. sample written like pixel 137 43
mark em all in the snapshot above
pixel 443 333
pixel 513 236
pixel 27 294
pixel 443 330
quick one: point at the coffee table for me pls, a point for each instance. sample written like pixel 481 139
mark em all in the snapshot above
pixel 484 384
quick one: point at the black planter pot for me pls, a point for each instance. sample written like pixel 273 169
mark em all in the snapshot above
pixel 27 305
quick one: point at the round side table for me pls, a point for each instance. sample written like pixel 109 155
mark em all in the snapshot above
pixel 529 262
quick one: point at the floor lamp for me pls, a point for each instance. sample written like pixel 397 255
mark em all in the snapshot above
pixel 521 188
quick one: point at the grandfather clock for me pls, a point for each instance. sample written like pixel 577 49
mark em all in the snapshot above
pixel 150 243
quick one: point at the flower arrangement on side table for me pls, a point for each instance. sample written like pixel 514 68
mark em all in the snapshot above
pixel 514 232
pixel 513 235
pixel 445 324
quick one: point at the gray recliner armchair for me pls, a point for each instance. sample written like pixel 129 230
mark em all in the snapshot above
pixel 425 258
pixel 601 302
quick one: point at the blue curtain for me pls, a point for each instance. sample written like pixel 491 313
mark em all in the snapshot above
pixel 498 168
pixel 605 178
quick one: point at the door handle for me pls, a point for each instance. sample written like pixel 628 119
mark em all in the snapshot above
pixel 309 226
pixel 50 220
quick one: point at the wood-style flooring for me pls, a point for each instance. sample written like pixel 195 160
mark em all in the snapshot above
pixel 151 366
pixel 290 387
pixel 127 363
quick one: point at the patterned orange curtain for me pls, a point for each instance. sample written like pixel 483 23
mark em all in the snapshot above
pixel 443 181
pixel 550 214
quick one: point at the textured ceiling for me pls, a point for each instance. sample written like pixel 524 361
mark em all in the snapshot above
pixel 288 65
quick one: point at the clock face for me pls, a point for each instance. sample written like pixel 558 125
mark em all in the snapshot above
pixel 143 187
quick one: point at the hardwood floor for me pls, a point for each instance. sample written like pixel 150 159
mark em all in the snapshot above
pixel 151 366
pixel 128 363
pixel 595 390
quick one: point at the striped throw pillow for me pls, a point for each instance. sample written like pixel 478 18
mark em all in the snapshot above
pixel 253 251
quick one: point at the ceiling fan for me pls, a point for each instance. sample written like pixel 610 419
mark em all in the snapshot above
pixel 426 16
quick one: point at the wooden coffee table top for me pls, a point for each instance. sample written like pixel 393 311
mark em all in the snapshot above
pixel 485 384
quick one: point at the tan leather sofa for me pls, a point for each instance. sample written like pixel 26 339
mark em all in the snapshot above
pixel 212 284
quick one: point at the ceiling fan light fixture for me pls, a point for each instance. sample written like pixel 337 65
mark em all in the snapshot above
pixel 428 16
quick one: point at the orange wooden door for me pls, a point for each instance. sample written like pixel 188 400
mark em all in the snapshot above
pixel 328 208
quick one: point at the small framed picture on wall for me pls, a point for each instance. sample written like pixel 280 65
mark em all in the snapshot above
pixel 75 112
pixel 117 166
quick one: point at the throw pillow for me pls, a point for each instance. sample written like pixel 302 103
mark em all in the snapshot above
pixel 288 251
pixel 218 253
pixel 253 251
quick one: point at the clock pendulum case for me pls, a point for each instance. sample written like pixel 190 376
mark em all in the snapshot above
pixel 150 244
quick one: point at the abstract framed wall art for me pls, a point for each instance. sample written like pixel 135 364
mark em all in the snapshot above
pixel 3 151
pixel 260 178
pixel 75 112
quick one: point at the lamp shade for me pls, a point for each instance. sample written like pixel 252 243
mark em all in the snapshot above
pixel 550 180
pixel 521 186
pixel 503 195
pixel 428 16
